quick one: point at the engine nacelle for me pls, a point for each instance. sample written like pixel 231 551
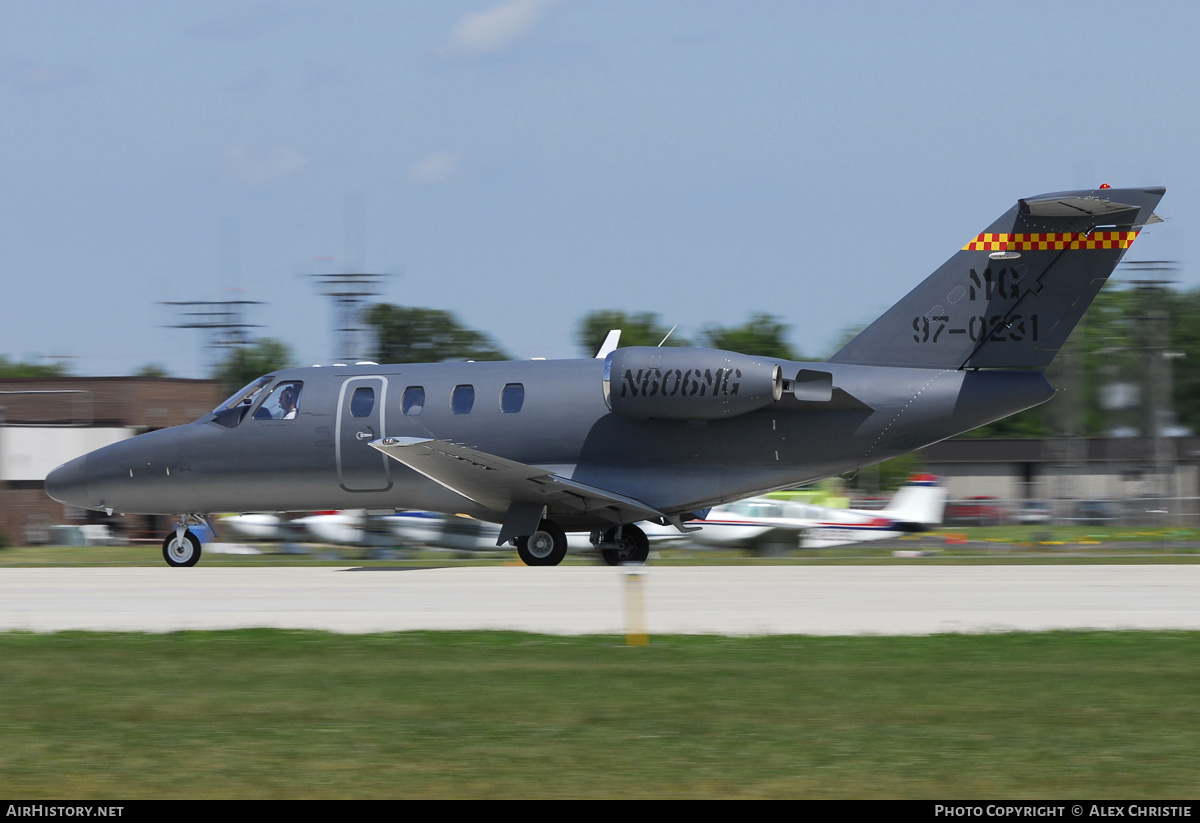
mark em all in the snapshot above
pixel 688 384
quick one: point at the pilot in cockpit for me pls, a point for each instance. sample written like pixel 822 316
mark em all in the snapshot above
pixel 287 401
pixel 283 404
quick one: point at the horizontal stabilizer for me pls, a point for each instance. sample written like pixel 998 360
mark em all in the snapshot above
pixel 1050 205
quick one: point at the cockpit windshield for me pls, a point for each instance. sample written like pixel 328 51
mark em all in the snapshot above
pixel 245 395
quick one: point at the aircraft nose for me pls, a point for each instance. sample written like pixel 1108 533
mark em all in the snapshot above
pixel 68 483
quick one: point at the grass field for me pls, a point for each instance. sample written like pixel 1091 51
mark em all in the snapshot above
pixel 273 714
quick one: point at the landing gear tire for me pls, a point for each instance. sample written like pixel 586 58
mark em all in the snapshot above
pixel 545 547
pixel 632 547
pixel 181 551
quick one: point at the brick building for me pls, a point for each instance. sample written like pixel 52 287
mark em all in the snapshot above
pixel 46 421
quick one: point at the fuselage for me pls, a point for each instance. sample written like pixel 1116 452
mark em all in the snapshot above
pixel 549 414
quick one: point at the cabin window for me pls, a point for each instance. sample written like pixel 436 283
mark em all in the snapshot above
pixel 413 400
pixel 362 401
pixel 282 404
pixel 462 399
pixel 512 398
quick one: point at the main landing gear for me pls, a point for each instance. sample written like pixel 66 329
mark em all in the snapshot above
pixel 624 544
pixel 548 545
pixel 545 547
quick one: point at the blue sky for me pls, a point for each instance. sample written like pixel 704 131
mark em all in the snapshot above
pixel 524 162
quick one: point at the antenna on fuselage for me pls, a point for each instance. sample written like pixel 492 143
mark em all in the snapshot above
pixel 672 331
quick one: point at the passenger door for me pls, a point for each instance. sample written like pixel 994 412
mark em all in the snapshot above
pixel 360 419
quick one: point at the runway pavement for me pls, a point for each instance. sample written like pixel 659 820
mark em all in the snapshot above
pixel 827 600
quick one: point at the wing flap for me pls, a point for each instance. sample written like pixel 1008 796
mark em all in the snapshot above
pixel 497 482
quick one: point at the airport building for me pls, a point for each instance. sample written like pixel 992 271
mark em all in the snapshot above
pixel 1108 468
pixel 46 421
pixel 1130 480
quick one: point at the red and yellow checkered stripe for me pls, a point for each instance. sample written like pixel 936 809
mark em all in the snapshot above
pixel 1051 241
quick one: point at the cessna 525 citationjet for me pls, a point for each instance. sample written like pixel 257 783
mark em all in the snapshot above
pixel 638 434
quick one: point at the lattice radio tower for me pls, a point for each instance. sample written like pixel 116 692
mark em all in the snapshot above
pixel 221 321
pixel 1153 341
pixel 349 293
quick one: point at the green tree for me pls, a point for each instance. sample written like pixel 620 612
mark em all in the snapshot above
pixel 1104 349
pixel 14 368
pixel 412 335
pixel 1029 423
pixel 156 370
pixel 762 334
pixel 847 334
pixel 248 362
pixel 642 329
pixel 1185 370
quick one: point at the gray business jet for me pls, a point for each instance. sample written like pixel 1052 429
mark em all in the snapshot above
pixel 640 434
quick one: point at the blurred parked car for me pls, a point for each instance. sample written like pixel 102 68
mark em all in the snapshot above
pixel 1093 511
pixel 981 510
pixel 1031 511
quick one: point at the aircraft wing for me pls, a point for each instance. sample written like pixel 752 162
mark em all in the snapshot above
pixel 827 535
pixel 498 483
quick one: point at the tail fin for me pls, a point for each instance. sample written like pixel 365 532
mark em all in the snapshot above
pixel 920 505
pixel 1010 296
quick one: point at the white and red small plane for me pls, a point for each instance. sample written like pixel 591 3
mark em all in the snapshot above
pixel 764 523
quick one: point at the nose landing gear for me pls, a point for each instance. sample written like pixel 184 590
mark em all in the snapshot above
pixel 181 547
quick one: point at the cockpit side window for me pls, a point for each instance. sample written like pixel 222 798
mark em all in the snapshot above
pixel 246 394
pixel 231 412
pixel 282 404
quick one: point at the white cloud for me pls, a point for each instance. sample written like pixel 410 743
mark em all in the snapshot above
pixel 246 167
pixel 434 168
pixel 486 32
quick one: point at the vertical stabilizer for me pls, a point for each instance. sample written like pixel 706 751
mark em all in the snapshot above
pixel 921 502
pixel 1011 296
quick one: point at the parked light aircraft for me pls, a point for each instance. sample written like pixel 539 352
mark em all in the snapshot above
pixel 408 528
pixel 359 528
pixel 362 529
pixel 270 528
pixel 762 523
pixel 642 434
